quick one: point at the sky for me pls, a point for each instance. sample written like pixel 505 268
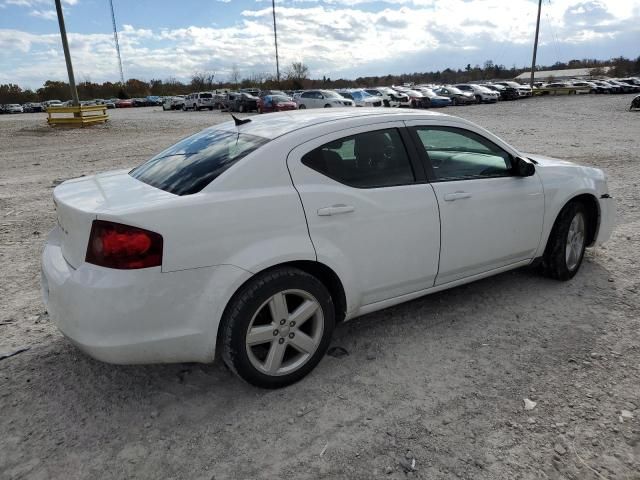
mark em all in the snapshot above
pixel 334 38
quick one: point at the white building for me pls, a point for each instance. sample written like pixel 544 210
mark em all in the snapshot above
pixel 544 75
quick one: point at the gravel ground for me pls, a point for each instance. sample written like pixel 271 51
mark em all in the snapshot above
pixel 430 389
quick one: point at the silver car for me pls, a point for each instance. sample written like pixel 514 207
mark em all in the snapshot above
pixel 322 99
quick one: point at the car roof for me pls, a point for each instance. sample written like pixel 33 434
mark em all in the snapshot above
pixel 277 124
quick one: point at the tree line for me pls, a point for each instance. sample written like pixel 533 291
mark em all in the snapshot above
pixel 295 77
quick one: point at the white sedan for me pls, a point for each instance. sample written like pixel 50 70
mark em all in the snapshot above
pixel 257 237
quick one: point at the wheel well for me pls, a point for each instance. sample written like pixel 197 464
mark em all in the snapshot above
pixel 593 212
pixel 323 273
pixel 329 279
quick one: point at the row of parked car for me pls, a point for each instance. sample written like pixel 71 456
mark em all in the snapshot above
pixel 409 96
pixel 578 86
pixel 31 107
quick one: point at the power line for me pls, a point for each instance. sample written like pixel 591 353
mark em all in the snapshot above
pixel 115 39
pixel 535 44
pixel 275 37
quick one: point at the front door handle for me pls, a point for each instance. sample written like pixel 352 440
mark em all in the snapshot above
pixel 335 210
pixel 450 197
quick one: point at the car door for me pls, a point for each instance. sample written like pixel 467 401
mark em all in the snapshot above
pixel 370 214
pixel 490 218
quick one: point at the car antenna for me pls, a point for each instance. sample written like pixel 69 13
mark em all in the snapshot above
pixel 240 121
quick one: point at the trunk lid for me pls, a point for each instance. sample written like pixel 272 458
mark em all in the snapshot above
pixel 79 201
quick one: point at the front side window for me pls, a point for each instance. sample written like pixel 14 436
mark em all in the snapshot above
pixel 457 154
pixel 366 160
pixel 191 164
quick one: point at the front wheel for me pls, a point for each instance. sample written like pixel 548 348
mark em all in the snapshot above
pixel 277 327
pixel 478 99
pixel 302 107
pixel 567 241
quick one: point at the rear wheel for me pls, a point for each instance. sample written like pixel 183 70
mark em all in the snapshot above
pixel 277 328
pixel 454 101
pixel 478 99
pixel 327 106
pixel 302 106
pixel 567 241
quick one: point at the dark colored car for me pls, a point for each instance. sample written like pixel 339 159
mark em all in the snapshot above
pixel 275 103
pixel 457 96
pixel 153 100
pixel 251 91
pixel 241 102
pixel 32 107
pixel 634 87
pixel 506 92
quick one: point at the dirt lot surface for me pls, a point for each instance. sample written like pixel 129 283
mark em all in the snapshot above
pixel 430 389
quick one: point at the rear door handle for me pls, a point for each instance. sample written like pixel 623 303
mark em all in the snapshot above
pixel 450 197
pixel 335 210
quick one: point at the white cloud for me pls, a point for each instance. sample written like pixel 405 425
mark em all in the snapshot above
pixel 44 14
pixel 333 37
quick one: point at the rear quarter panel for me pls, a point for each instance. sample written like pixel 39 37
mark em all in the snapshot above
pixel 250 217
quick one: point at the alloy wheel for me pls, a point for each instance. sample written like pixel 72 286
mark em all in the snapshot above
pixel 285 332
pixel 575 241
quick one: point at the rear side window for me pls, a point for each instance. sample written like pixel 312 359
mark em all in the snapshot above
pixel 191 164
pixel 367 160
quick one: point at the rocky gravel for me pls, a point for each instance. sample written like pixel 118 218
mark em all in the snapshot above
pixel 512 377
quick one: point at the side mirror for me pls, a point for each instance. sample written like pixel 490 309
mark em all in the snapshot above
pixel 523 168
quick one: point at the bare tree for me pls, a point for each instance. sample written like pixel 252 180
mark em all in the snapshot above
pixel 297 71
pixel 234 76
pixel 202 80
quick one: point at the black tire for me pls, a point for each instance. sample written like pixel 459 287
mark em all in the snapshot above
pixel 455 101
pixel 302 107
pixel 248 301
pixel 327 106
pixel 386 103
pixel 241 108
pixel 554 261
pixel 478 99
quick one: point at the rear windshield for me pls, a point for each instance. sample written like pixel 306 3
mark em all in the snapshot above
pixel 191 164
pixel 206 95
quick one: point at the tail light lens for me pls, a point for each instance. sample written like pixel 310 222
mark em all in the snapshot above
pixel 114 245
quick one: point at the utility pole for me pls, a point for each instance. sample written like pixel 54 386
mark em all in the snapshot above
pixel 67 56
pixel 535 45
pixel 115 39
pixel 275 36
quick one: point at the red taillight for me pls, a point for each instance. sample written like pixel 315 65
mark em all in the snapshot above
pixel 115 245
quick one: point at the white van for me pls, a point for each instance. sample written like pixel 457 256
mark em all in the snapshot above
pixel 198 101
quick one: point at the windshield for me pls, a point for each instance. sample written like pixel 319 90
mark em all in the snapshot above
pixel 206 95
pixel 191 164
pixel 427 92
pixel 330 94
pixel 279 99
pixel 454 90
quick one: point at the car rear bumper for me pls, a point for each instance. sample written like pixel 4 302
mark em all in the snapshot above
pixel 136 316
